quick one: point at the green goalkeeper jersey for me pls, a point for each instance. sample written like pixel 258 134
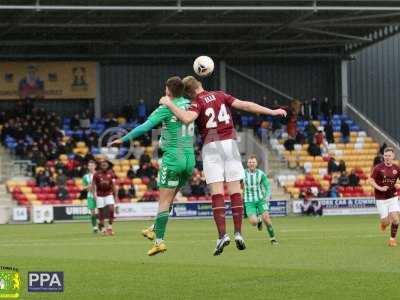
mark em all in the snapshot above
pixel 174 134
pixel 256 186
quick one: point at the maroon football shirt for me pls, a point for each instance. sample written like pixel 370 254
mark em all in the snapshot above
pixel 104 182
pixel 214 119
pixel 386 176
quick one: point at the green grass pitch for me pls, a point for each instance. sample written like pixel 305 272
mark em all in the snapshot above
pixel 318 258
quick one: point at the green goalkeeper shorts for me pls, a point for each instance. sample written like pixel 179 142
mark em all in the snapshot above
pixel 176 170
pixel 256 208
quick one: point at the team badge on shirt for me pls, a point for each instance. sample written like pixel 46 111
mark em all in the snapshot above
pixel 394 172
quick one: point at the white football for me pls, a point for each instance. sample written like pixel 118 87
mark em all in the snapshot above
pixel 203 66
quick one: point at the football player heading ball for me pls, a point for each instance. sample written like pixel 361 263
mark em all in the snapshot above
pixel 220 154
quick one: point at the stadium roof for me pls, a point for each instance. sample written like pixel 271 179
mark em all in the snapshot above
pixel 178 28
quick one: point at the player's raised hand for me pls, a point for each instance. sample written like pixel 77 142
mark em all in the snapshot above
pixel 115 142
pixel 165 100
pixel 280 112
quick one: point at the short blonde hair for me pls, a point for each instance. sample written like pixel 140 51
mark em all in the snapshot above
pixel 191 84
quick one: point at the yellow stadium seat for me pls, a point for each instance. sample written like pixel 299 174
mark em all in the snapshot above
pixel 150 149
pixel 289 184
pixel 336 134
pixel 301 177
pixel 134 162
pixel 26 189
pixel 31 197
pixel 35 202
pixel 318 159
pixel 340 146
pixel 353 134
pixel 125 168
pixel 137 181
pixel 121 175
pixel 117 168
pixel 142 187
pixel 116 162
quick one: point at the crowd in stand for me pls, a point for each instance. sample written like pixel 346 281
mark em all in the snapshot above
pixel 38 136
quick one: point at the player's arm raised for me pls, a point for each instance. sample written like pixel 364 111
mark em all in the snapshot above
pixel 256 108
pixel 184 116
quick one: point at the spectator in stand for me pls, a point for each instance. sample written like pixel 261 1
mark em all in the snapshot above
pixel 186 191
pixel 378 159
pixel 314 108
pixel 289 144
pixel 146 170
pixel 333 165
pixel 152 185
pixel 84 121
pixel 319 137
pixel 75 122
pixel 382 148
pixel 62 193
pixel 310 131
pixel 300 138
pixel 20 150
pixel 344 179
pixel 144 158
pixel 61 179
pixel 127 112
pixel 198 187
pixel 317 208
pixel 306 110
pixel 314 149
pixel 122 193
pixel 132 192
pixel 306 207
pixel 342 166
pixel 292 124
pixel 42 179
pixel 333 191
pixel 329 132
pixel 141 111
pixel 137 150
pixel 131 173
pixel 345 130
pixel 295 106
pixel 326 108
pixel 354 180
pixel 110 121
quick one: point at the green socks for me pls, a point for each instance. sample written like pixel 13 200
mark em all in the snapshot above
pixel 161 224
pixel 93 220
pixel 270 231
